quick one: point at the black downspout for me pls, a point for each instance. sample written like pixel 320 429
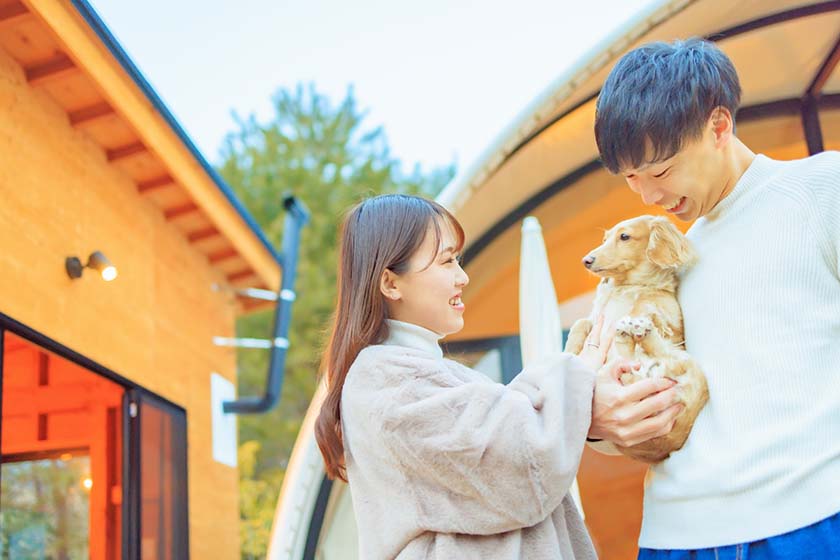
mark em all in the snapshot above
pixel 297 216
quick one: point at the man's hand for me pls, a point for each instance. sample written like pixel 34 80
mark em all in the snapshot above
pixel 630 414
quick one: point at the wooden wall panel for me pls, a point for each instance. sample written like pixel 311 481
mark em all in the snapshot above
pixel 154 324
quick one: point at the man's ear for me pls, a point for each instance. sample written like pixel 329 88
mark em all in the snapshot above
pixel 722 125
pixel 388 286
pixel 667 246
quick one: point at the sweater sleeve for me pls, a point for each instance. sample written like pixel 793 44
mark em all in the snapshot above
pixel 823 195
pixel 831 215
pixel 484 458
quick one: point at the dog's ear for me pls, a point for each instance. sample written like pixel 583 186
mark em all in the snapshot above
pixel 667 246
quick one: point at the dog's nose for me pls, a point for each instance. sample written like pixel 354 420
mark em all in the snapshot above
pixel 588 261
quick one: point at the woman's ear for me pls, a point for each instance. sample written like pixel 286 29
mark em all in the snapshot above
pixel 667 246
pixel 388 286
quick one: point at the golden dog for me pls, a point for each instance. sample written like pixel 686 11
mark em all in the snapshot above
pixel 638 264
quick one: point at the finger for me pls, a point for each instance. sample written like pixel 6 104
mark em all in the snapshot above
pixel 655 404
pixel 646 387
pixel 608 335
pixel 595 333
pixel 606 340
pixel 671 416
pixel 654 426
pixel 617 368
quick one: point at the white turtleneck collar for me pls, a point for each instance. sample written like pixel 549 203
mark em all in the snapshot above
pixel 413 336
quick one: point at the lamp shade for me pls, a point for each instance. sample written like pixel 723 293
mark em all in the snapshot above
pixel 99 262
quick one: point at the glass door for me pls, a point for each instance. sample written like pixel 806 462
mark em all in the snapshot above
pixel 157 453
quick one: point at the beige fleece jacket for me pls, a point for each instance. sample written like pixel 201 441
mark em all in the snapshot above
pixel 445 464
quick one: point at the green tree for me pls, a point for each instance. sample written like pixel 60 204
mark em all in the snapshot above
pixel 324 155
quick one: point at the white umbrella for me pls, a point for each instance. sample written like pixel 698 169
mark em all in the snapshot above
pixel 540 330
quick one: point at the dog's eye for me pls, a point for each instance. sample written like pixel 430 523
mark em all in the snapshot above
pixel 624 237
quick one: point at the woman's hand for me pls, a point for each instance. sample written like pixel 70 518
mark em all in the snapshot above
pixel 597 344
pixel 630 414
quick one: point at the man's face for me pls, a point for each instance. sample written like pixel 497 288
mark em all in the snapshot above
pixel 687 185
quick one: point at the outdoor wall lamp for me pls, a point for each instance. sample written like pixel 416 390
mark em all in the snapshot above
pixel 96 261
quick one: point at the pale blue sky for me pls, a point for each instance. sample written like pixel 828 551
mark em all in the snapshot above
pixel 444 77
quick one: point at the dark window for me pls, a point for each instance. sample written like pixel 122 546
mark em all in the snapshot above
pixel 500 358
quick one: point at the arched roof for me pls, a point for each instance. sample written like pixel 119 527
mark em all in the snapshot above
pixel 785 53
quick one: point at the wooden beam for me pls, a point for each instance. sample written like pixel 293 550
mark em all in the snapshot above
pixel 43 369
pixel 51 399
pixel 177 211
pixel 223 254
pixel 86 114
pixel 811 125
pixel 99 459
pixel 59 65
pixel 201 234
pixel 241 274
pixel 133 104
pixel 156 183
pixel 125 151
pixel 825 71
pixel 776 18
pixel 12 12
pixel 43 434
pixel 30 447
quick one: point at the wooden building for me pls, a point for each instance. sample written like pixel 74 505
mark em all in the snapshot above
pixel 110 448
pixel 546 165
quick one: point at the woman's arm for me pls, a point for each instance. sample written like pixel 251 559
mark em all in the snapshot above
pixel 483 458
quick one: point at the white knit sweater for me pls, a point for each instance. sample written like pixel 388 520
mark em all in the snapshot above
pixel 762 318
pixel 445 464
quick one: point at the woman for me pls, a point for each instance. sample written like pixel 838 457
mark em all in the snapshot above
pixel 442 462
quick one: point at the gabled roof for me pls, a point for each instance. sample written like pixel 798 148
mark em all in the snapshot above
pixel 66 51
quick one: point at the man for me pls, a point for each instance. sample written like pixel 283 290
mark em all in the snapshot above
pixel 759 476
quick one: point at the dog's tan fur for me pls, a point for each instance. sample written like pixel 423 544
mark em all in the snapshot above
pixel 637 294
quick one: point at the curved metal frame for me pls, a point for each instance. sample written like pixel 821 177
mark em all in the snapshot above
pixel 316 522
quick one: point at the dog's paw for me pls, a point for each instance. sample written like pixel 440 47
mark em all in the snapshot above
pixel 654 369
pixel 635 327
pixel 624 327
pixel 629 378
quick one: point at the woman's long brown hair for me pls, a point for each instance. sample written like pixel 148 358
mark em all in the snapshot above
pixel 380 233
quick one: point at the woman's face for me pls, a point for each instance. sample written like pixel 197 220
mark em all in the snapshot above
pixel 429 295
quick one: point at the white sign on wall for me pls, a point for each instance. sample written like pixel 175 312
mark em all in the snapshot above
pixel 224 424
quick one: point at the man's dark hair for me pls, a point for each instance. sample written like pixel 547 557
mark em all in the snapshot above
pixel 658 97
